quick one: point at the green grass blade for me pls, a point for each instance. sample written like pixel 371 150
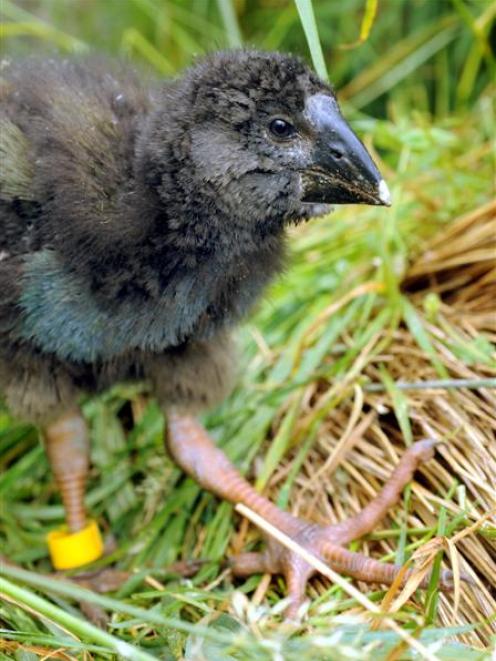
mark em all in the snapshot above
pixel 400 405
pixel 432 596
pixel 422 338
pixel 279 445
pixel 133 40
pixel 368 19
pixel 228 14
pixel 75 625
pixel 307 18
pixel 394 75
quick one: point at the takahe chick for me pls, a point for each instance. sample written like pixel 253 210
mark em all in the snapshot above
pixel 139 222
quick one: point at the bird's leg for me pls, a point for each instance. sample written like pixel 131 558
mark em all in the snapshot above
pixel 67 447
pixel 193 450
pixel 68 450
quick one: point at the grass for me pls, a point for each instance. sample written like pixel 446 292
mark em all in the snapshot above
pixel 375 304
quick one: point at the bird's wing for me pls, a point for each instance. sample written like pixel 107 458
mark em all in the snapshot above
pixel 16 218
pixel 17 206
pixel 16 173
pixel 66 146
pixel 10 276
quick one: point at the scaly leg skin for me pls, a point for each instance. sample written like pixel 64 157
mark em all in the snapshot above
pixel 67 447
pixel 68 450
pixel 197 455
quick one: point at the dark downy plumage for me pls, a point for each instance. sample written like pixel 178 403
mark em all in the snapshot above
pixel 139 222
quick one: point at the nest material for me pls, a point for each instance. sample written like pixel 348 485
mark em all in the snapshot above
pixel 361 440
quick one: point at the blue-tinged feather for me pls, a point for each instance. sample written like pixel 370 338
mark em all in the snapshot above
pixel 62 316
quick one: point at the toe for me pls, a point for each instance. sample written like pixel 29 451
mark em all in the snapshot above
pixel 296 572
pixel 422 450
pixel 94 614
pixel 246 564
pixel 277 560
pixel 447 580
pixel 102 580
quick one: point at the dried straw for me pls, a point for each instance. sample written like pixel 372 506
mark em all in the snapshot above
pixel 360 440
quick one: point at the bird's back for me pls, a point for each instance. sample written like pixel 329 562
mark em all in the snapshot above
pixel 66 135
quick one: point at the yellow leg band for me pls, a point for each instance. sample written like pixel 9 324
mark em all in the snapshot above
pixel 69 550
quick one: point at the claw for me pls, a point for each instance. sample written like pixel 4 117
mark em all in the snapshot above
pixel 423 449
pixel 246 564
pixel 194 451
pixel 296 576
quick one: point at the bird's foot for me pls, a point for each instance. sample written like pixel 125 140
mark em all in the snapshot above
pixel 327 542
pixel 195 452
pixel 318 541
pixel 110 579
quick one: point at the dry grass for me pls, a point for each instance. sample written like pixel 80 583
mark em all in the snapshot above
pixel 375 300
pixel 346 437
pixel 327 415
pixel 360 440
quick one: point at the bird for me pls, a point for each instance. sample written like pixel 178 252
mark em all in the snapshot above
pixel 140 222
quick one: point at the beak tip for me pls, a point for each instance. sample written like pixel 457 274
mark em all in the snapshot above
pixel 383 194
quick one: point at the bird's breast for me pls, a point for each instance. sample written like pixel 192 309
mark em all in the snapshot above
pixel 61 315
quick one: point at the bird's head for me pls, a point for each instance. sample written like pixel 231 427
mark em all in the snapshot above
pixel 264 136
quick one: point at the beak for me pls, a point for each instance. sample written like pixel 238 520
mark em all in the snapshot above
pixel 341 170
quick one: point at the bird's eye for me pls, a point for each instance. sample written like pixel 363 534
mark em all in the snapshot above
pixel 281 129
